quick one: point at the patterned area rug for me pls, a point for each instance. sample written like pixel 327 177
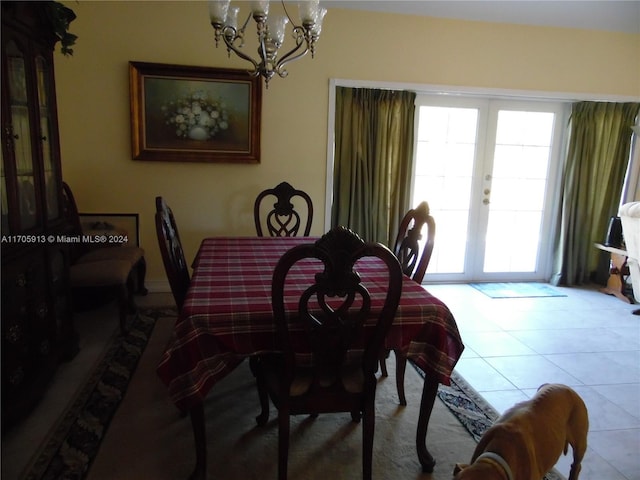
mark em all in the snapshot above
pixel 517 290
pixel 473 411
pixel 74 442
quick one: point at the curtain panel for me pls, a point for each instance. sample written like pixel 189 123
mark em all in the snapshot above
pixel 373 154
pixel 593 178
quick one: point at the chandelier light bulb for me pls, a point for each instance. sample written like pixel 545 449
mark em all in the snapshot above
pixel 260 7
pixel 218 11
pixel 232 17
pixel 308 11
pixel 276 27
pixel 270 30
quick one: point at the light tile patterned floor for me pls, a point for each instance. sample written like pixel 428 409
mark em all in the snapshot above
pixel 588 340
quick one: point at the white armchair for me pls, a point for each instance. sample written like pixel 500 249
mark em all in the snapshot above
pixel 630 217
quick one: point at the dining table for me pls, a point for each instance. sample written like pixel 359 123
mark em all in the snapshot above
pixel 227 318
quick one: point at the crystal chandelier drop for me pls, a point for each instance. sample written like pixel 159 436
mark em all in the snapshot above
pixel 271 33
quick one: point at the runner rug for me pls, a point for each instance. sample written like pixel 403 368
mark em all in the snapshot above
pixel 75 440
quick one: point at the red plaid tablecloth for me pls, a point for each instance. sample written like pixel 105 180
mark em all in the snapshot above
pixel 227 317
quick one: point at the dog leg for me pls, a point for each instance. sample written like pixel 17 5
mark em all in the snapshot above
pixel 579 447
pixel 578 429
pixel 576 466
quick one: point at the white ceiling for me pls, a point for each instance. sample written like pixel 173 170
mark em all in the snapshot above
pixel 611 15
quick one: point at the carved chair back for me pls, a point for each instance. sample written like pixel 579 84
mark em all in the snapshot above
pixel 283 220
pixel 407 246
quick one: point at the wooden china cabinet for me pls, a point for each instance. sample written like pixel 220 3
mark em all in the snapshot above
pixel 37 322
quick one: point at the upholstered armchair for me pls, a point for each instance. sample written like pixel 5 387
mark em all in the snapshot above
pixel 630 217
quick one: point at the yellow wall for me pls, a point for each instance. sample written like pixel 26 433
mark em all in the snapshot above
pixel 217 199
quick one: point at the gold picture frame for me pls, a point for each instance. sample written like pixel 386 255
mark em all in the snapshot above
pixel 194 114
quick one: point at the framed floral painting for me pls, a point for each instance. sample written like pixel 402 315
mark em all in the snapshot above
pixel 194 114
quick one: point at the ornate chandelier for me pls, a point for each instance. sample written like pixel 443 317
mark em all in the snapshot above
pixel 271 33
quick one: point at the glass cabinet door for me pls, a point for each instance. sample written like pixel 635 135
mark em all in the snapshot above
pixel 46 137
pixel 20 136
pixel 4 206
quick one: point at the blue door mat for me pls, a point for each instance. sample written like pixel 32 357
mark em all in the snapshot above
pixel 517 290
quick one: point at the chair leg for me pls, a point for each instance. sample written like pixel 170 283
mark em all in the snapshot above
pixel 263 395
pixel 429 393
pixel 383 362
pixel 123 306
pixel 368 430
pixel 401 365
pixel 200 440
pixel 126 302
pixel 283 442
pixel 141 273
pixel 131 303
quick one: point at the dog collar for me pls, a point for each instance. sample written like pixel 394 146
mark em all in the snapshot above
pixel 499 460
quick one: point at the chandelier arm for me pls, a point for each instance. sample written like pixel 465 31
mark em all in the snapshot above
pixel 262 51
pixel 291 55
pixel 240 53
pixel 285 60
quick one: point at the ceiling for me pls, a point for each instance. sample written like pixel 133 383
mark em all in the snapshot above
pixel 611 15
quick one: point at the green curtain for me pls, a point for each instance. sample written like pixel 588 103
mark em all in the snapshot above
pixel 593 177
pixel 373 155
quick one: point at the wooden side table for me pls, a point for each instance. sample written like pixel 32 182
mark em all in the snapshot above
pixel 618 269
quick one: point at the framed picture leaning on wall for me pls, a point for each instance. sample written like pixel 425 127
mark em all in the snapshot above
pixel 110 229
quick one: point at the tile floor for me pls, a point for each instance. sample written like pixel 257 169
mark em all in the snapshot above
pixel 588 340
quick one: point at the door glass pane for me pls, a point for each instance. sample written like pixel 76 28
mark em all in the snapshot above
pixel 518 188
pixel 445 154
pixel 50 174
pixel 21 136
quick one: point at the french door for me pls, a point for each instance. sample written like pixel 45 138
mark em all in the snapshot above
pixel 488 169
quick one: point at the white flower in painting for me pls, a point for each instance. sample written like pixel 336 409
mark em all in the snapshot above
pixel 205 119
pixel 197 115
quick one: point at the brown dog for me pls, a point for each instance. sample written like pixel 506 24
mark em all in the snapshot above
pixel 527 440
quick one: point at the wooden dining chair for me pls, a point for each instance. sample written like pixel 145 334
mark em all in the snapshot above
pixel 175 264
pixel 96 269
pixel 282 220
pixel 414 262
pixel 329 360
